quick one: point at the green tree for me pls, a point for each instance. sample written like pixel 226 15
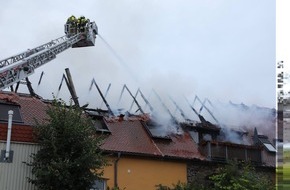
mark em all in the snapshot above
pixel 70 157
pixel 240 176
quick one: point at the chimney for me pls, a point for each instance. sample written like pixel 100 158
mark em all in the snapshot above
pixel 121 117
pixel 255 137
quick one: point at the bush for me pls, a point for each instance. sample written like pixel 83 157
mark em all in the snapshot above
pixel 233 176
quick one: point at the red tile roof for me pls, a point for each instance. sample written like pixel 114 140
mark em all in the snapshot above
pixel 31 108
pixel 9 97
pixel 181 146
pixel 19 133
pixel 130 137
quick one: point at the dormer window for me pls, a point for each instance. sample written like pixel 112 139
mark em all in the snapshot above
pixel 194 135
pixel 269 147
pixel 101 126
pixel 156 130
pixel 263 140
pixel 99 122
pixel 4 108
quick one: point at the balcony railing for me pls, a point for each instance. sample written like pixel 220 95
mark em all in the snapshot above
pixel 223 151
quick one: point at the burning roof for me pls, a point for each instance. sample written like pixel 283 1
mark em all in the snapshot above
pixel 148 135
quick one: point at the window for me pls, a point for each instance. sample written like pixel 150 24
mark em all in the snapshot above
pixel 100 184
pixel 264 140
pixel 101 126
pixel 99 121
pixel 156 130
pixel 207 137
pixel 4 108
pixel 194 136
pixel 270 147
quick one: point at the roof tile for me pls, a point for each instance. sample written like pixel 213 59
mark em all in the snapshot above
pixel 130 137
pixel 181 146
pixel 19 133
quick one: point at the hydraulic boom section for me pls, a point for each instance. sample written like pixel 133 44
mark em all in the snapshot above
pixel 18 67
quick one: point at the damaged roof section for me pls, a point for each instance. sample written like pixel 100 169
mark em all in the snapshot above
pixel 131 137
pixel 148 135
pixel 99 122
pixel 155 130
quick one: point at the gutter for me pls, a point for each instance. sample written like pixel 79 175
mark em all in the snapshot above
pixel 116 170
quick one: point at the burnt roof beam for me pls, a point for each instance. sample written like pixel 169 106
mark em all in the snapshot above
pixel 203 105
pixel 191 106
pixel 72 87
pixel 179 109
pixel 165 107
pixel 106 93
pixel 144 98
pixel 134 98
pixel 102 96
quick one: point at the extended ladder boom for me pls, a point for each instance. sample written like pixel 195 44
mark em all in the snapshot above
pixel 18 67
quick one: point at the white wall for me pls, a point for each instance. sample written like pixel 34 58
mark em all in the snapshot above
pixel 13 176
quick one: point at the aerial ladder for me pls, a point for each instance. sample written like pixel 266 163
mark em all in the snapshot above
pixel 20 66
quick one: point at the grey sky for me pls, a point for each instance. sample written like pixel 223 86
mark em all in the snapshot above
pixel 220 49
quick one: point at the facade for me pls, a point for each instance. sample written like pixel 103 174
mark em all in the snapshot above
pixel 14 171
pixel 138 160
pixel 14 175
pixel 143 173
pixel 140 156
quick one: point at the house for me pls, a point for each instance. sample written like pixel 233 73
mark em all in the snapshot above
pixel 140 153
pixel 140 160
pixel 14 172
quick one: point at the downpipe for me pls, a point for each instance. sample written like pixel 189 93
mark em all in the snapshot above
pixel 116 170
pixel 10 115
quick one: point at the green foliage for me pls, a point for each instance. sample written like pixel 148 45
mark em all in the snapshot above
pixel 161 187
pixel 240 176
pixel 234 176
pixel 70 157
pixel 182 186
